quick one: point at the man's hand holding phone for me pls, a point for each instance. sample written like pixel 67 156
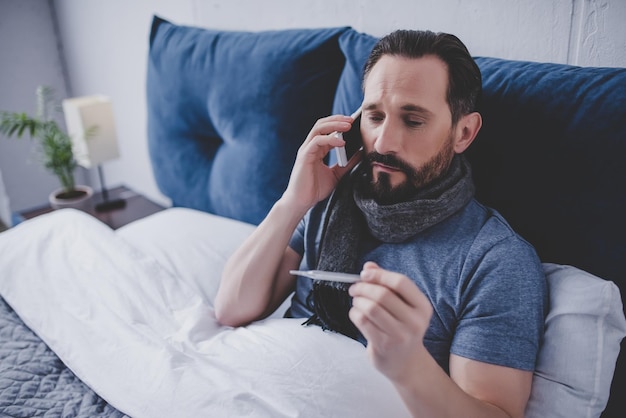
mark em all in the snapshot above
pixel 311 179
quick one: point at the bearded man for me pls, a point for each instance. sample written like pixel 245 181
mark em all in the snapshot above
pixel 451 301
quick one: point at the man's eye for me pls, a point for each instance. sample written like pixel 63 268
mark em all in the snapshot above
pixel 412 123
pixel 375 118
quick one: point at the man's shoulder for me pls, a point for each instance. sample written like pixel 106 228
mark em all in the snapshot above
pixel 314 218
pixel 487 219
pixel 495 235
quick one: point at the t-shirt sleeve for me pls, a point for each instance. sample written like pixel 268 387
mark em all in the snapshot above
pixel 503 305
pixel 296 242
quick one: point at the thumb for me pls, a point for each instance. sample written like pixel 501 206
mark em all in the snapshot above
pixel 370 265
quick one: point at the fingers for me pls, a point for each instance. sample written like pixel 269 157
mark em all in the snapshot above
pixel 380 310
pixel 389 304
pixel 398 283
pixel 311 180
pixel 321 138
pixel 339 171
pixel 328 125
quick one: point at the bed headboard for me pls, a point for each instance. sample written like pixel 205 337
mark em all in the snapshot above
pixel 228 110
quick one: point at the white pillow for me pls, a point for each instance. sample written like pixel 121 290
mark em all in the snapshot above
pixel 584 328
pixel 191 244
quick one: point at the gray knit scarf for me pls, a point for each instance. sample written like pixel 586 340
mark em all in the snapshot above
pixel 350 215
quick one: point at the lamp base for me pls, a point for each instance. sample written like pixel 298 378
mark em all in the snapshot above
pixel 109 205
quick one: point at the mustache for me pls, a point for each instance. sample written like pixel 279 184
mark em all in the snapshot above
pixel 389 160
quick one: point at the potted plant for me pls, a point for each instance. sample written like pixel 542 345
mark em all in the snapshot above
pixel 55 147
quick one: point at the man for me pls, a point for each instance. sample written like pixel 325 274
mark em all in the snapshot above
pixel 451 301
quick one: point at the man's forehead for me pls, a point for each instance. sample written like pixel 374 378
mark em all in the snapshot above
pixel 406 107
pixel 408 82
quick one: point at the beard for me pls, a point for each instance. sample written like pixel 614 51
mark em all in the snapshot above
pixel 381 189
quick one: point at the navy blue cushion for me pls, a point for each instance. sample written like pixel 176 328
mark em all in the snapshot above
pixel 356 47
pixel 550 158
pixel 227 111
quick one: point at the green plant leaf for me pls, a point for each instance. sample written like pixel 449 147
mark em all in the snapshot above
pixel 55 145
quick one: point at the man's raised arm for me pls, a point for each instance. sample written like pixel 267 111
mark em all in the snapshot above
pixel 256 278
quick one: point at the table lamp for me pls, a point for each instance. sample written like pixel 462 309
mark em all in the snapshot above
pixel 90 125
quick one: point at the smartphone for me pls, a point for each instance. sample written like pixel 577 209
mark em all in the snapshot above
pixel 353 139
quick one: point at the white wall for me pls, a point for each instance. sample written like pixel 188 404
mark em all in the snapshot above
pixel 5 208
pixel 105 43
pixel 29 56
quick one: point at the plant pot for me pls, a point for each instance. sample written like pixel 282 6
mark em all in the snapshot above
pixel 79 198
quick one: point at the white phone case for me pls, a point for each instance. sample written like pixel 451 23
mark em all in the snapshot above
pixel 340 152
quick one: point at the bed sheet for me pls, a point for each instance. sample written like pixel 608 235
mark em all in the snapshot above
pixel 134 321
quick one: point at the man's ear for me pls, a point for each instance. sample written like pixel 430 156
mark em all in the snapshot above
pixel 466 130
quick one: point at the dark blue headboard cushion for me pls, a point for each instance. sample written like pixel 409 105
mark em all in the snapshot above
pixel 550 156
pixel 227 111
pixel 356 47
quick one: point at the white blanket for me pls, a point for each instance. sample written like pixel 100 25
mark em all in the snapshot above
pixel 135 322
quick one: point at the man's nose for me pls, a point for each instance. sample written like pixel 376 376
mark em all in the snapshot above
pixel 387 140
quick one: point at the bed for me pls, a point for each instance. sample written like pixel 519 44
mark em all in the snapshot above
pixel 96 322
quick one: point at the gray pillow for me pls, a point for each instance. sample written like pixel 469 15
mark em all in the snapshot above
pixel 584 328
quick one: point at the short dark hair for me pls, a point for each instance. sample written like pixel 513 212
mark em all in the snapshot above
pixel 464 79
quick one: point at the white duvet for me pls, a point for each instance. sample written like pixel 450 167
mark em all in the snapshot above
pixel 130 313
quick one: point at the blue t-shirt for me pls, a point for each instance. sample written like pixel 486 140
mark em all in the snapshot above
pixel 486 284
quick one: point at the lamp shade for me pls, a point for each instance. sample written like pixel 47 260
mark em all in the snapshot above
pixel 90 124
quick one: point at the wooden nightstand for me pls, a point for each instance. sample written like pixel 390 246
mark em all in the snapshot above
pixel 137 207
